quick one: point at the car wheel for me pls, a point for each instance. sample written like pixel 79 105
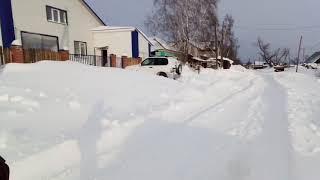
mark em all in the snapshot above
pixel 179 70
pixel 163 74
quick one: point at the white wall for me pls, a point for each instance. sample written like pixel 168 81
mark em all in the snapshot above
pixel 143 47
pixel 119 42
pixel 30 16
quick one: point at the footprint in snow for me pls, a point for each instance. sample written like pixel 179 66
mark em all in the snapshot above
pixel 316 150
pixel 30 103
pixel 16 99
pixel 28 90
pixel 43 95
pixel 3 140
pixel 75 105
pixel 13 113
pixel 313 127
pixel 4 98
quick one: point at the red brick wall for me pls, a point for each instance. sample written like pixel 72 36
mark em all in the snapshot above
pixel 130 61
pixel 113 60
pixel 64 55
pixel 17 54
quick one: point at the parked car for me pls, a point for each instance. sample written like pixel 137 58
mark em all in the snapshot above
pixel 279 68
pixel 168 67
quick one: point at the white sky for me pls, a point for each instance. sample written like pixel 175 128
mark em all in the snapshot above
pixel 281 22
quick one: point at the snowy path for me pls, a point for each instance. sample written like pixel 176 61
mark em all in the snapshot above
pixel 268 155
pixel 272 151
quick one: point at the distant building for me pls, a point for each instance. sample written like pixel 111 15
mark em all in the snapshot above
pixel 163 49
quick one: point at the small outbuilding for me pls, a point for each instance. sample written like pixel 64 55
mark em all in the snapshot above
pixel 122 41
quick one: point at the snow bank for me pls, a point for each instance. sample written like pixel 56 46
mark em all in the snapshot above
pixel 63 120
pixel 303 118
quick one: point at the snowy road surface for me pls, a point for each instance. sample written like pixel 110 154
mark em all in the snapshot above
pixel 66 121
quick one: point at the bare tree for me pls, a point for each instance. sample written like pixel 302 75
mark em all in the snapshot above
pixel 281 56
pixel 228 44
pixel 276 57
pixel 266 52
pixel 182 21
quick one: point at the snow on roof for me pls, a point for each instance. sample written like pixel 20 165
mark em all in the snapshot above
pixel 114 28
pixel 161 44
pixel 202 60
pixel 314 58
pixel 92 11
pixel 225 59
pixel 119 29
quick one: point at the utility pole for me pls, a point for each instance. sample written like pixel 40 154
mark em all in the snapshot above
pixel 289 60
pixel 216 43
pixel 299 54
pixel 303 54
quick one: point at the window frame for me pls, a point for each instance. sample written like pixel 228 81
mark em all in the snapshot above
pixel 26 32
pixel 59 12
pixel 80 45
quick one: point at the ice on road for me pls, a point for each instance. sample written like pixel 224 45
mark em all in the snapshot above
pixel 101 123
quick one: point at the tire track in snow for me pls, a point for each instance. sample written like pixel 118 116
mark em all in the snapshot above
pixel 210 107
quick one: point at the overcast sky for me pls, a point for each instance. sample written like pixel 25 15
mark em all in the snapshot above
pixel 281 22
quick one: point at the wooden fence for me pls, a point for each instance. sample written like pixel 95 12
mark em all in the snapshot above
pixel 35 55
pixel 4 56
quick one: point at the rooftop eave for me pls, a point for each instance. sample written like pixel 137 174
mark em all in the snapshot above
pixel 93 12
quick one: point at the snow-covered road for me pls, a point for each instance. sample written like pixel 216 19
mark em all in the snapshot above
pixel 227 125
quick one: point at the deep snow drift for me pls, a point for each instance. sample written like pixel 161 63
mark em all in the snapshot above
pixel 63 120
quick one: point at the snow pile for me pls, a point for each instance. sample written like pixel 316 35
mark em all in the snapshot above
pixel 238 68
pixel 63 120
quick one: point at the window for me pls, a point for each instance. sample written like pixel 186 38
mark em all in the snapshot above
pixel 39 41
pixel 80 48
pixel 155 61
pixel 162 62
pixel 148 62
pixel 56 15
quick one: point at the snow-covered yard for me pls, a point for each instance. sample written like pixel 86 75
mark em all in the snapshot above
pixel 67 121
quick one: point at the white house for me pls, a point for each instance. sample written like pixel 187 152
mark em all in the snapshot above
pixel 122 41
pixel 49 24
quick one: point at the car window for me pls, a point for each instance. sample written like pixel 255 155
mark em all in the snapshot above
pixel 162 62
pixel 148 62
pixel 155 62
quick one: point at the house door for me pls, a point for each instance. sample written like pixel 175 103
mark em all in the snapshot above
pixel 105 58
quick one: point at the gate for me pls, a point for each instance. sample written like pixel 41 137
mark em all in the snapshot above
pixel 1 56
pixel 106 61
pixel 119 62
pixel 86 59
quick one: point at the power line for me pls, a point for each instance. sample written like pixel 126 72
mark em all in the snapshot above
pixel 279 29
pixel 313 46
